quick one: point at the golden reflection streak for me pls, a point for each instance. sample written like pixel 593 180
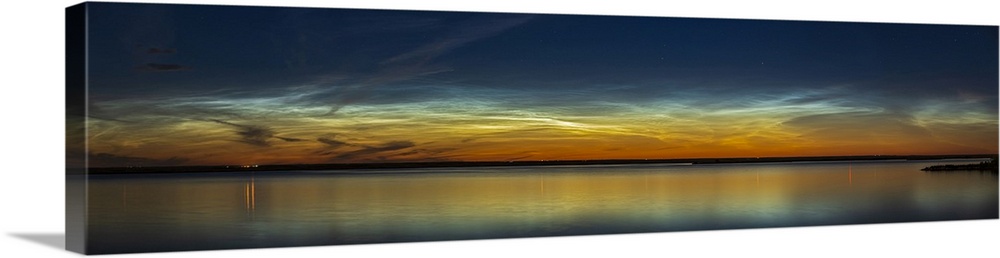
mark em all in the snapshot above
pixel 253 194
pixel 542 184
pixel 250 196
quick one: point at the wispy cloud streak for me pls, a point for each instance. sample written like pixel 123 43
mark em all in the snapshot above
pixel 371 150
pixel 254 134
pixel 417 61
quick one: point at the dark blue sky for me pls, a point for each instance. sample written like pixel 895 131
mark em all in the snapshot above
pixel 669 80
pixel 251 47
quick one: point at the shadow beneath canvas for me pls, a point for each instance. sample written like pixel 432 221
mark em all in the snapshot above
pixel 54 240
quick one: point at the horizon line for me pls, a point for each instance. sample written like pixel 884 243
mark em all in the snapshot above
pixel 429 164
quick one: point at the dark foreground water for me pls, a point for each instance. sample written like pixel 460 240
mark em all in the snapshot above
pixel 141 213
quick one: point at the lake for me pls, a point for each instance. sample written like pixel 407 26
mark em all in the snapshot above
pixel 173 212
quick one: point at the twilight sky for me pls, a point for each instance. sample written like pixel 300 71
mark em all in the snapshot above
pixel 209 85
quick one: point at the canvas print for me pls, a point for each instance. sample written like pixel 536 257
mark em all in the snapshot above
pixel 197 127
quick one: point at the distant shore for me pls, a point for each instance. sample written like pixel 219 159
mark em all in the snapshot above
pixel 990 165
pixel 401 165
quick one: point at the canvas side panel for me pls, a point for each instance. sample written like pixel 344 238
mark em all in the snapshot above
pixel 76 150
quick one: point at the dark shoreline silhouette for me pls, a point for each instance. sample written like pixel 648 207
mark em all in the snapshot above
pixel 389 165
pixel 990 165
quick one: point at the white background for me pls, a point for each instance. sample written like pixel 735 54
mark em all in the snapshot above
pixel 31 95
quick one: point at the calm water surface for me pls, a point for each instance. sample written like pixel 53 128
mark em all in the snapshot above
pixel 141 213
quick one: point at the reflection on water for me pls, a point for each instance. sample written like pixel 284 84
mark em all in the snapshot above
pixel 136 213
pixel 250 196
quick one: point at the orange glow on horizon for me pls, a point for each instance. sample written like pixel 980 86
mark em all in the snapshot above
pixel 375 139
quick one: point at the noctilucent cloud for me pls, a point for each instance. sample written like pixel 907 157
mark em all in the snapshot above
pixel 211 85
